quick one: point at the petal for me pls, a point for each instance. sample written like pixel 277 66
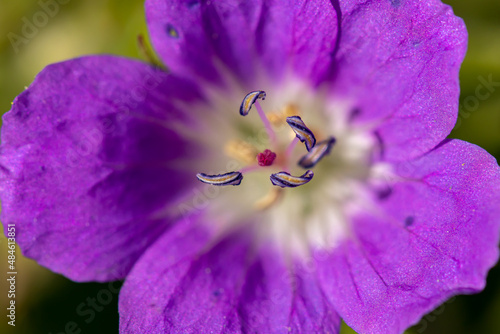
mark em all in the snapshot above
pixel 85 158
pixel 158 275
pixel 209 38
pixel 398 61
pixel 228 287
pixel 435 236
pixel 312 312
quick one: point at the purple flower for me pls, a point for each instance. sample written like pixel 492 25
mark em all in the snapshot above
pixel 386 219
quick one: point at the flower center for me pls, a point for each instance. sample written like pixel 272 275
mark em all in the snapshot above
pixel 300 195
pixel 282 178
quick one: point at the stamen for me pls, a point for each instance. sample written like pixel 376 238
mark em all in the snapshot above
pixel 267 124
pixel 231 178
pixel 266 158
pixel 277 118
pixel 272 197
pixel 290 148
pixel 317 153
pixel 302 131
pixel 247 103
pixel 249 100
pixel 284 179
pixel 241 150
pixel 291 110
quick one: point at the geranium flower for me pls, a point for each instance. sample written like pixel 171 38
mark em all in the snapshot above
pixel 376 218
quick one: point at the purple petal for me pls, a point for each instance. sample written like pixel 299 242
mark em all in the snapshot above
pixel 230 287
pixel 312 312
pixel 398 61
pixel 248 38
pixel 85 164
pixel 157 276
pixel 435 236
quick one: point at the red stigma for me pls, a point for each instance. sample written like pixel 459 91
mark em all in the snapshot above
pixel 266 158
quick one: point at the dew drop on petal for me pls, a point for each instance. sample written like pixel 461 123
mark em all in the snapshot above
pixel 171 31
pixel 409 221
pixel 384 193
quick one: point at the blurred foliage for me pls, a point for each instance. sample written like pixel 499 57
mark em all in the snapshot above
pixel 47 301
pixel 482 125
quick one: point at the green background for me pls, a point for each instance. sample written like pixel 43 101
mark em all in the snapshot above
pixel 47 302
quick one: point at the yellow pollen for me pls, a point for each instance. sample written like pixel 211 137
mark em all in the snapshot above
pixel 241 150
pixel 172 32
pixel 277 118
pixel 272 197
